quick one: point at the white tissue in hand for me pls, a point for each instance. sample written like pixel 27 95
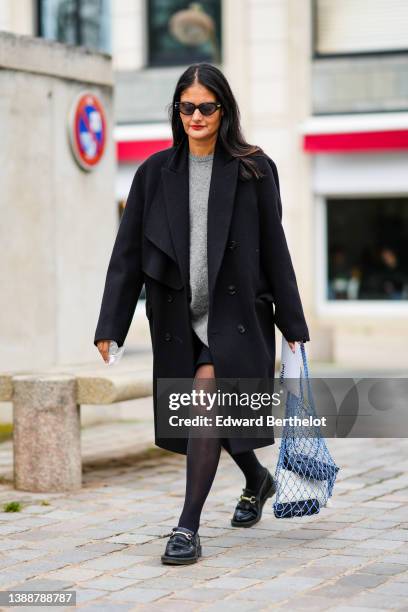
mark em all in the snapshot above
pixel 115 353
pixel 291 367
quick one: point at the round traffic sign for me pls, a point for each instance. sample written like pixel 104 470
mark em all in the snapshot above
pixel 87 130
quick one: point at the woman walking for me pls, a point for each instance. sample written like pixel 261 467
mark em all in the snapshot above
pixel 202 230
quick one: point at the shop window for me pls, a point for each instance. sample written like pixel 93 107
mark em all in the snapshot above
pixel 367 249
pixel 182 32
pixel 76 22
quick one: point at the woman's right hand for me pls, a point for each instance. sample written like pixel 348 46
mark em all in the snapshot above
pixel 103 348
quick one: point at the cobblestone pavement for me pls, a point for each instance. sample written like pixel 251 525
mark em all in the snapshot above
pixel 105 541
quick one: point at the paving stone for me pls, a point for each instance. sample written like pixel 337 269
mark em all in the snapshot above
pixel 252 553
pixel 109 562
pixel 227 561
pixel 131 538
pixel 142 572
pixel 232 606
pixel 401 577
pixel 203 594
pixel 105 605
pixel 10 529
pixel 24 554
pixel 83 595
pixel 387 569
pixel 76 555
pixel 10 578
pixel 305 553
pixel 345 608
pixel 341 561
pixel 11 543
pixel 311 603
pixel 198 571
pixel 379 524
pixel 329 544
pixel 102 547
pixel 263 595
pixel 174 582
pixel 339 589
pixel 401 559
pixel 357 533
pixel 232 583
pixel 292 583
pixel 44 585
pixel 169 604
pixel 306 534
pixel 135 594
pixel 393 588
pixel 380 544
pixel 229 541
pixel 375 600
pixel 363 579
pixel 73 573
pixel 108 583
pixel 397 534
pixel 257 572
pixel 317 572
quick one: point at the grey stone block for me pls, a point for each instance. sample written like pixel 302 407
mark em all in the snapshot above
pixel 46 437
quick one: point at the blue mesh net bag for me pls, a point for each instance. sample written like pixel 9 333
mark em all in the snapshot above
pixel 305 473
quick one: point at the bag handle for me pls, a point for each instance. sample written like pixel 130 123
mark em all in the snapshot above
pixel 303 351
pixel 306 372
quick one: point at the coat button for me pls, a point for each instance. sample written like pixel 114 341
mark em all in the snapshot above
pixel 232 289
pixel 170 297
pixel 232 245
pixel 241 328
pixel 167 336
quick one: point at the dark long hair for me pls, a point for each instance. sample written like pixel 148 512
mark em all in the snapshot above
pixel 229 131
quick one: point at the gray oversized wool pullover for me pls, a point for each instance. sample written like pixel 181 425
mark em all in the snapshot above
pixel 200 168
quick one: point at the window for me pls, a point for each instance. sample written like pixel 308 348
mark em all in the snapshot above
pixel 367 254
pixel 182 32
pixel 360 26
pixel 76 22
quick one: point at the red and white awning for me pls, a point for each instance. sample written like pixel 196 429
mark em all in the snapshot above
pixel 136 142
pixel 355 133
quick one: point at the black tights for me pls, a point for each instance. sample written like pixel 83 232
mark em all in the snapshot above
pixel 203 454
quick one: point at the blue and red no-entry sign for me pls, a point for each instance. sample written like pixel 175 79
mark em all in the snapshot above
pixel 87 129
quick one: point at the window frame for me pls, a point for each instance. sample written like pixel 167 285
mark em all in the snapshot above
pixel 152 66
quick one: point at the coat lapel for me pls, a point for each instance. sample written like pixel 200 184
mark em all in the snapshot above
pixel 221 196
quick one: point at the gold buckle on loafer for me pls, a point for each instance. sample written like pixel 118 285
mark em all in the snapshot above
pixel 251 499
pixel 188 535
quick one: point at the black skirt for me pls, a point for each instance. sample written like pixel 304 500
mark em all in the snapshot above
pixel 201 352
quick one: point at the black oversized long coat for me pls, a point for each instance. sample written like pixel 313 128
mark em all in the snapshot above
pixel 252 283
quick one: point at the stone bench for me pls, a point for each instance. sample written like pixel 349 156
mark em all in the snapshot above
pixel 47 424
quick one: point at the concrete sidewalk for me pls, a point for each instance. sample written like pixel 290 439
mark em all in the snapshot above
pixel 105 541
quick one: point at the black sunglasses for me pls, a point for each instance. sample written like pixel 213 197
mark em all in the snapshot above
pixel 205 108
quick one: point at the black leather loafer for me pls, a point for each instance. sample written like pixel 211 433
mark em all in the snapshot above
pixel 249 508
pixel 183 547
